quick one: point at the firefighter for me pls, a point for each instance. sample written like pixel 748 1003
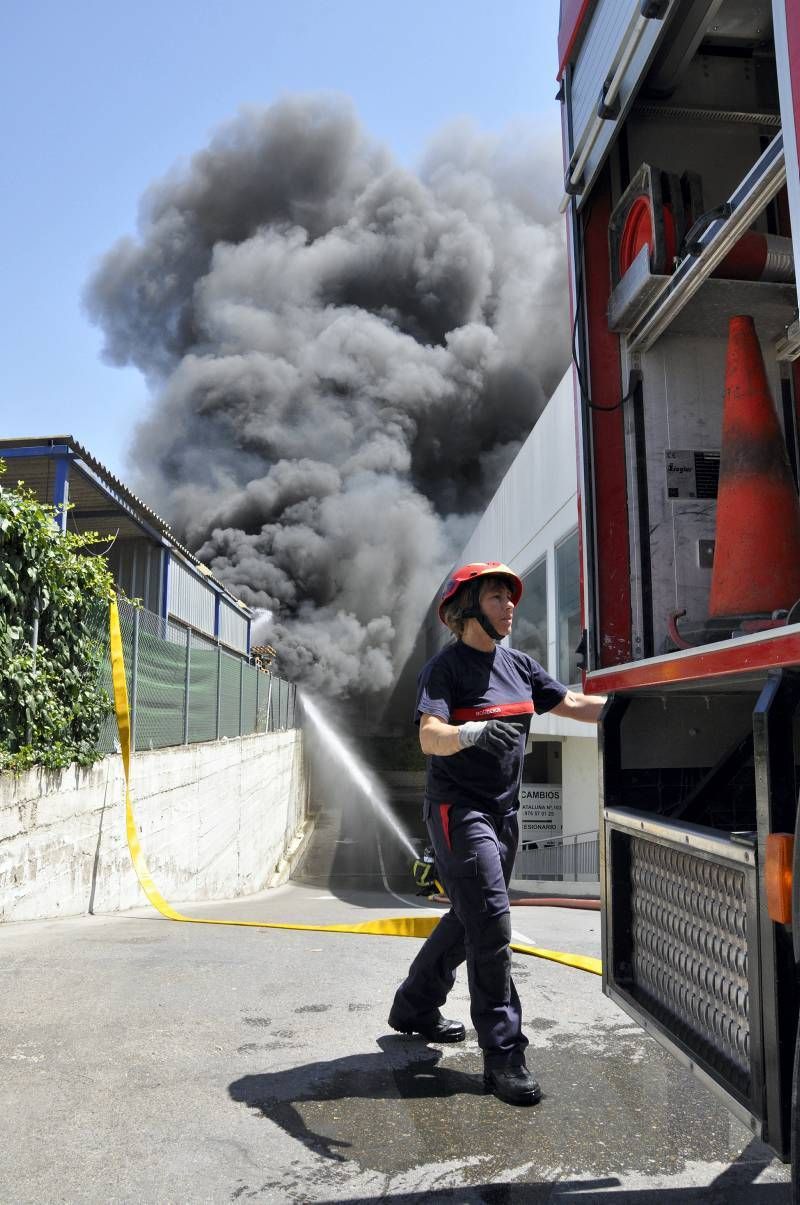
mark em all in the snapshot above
pixel 475 702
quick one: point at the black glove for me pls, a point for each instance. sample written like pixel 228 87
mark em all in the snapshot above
pixel 499 737
pixel 494 736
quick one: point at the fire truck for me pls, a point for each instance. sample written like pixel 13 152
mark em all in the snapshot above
pixel 680 122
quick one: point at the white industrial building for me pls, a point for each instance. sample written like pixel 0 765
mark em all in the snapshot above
pixel 531 524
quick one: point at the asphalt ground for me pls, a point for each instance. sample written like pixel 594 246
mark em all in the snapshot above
pixel 150 1061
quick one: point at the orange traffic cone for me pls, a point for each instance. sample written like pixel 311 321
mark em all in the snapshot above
pixel 757 553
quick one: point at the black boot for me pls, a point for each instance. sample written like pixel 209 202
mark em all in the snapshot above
pixel 514 1085
pixel 434 1027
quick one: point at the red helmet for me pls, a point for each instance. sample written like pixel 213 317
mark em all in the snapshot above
pixel 478 569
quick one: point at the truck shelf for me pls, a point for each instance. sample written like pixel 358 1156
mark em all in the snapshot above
pixel 774 306
pixel 646 309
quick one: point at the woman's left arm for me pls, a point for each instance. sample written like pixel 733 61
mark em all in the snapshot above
pixel 578 706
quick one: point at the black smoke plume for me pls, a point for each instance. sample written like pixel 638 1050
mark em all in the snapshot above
pixel 344 357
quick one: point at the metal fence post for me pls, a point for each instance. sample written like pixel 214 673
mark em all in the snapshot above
pixel 269 706
pixel 134 675
pixel 34 647
pixel 241 696
pixel 575 857
pixel 219 690
pixel 186 688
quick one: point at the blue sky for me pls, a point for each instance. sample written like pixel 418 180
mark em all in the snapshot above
pixel 99 98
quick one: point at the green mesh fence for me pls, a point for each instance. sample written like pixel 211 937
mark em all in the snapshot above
pixel 249 694
pixel 229 696
pixel 108 741
pixel 274 706
pixel 283 710
pixel 262 681
pixel 203 669
pixel 183 688
pixel 159 711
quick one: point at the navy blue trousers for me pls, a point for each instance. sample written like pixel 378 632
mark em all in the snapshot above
pixel 474 857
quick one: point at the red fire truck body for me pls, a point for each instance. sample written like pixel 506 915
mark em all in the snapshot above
pixel 681 121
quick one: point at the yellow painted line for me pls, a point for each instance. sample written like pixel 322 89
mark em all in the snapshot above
pixel 393 926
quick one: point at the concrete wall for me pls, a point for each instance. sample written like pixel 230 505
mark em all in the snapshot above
pixel 215 820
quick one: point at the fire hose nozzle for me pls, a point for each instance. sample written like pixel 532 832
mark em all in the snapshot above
pixel 423 871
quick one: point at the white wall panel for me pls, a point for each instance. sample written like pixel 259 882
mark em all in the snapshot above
pixel 535 507
pixel 190 599
pixel 536 503
pixel 232 628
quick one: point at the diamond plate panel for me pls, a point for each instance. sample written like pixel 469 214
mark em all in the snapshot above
pixel 689 949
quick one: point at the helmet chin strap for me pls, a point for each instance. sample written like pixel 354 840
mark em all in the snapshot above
pixel 473 611
pixel 489 628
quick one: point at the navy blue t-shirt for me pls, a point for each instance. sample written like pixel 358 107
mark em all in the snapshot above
pixel 462 683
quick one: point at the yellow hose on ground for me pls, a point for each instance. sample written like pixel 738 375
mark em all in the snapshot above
pixel 393 926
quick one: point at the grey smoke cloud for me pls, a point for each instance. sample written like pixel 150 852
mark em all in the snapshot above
pixel 344 357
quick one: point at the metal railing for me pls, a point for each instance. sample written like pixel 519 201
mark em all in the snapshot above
pixel 184 688
pixel 575 858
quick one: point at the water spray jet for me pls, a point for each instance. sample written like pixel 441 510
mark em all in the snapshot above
pixel 366 782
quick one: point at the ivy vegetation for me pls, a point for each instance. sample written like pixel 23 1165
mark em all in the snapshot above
pixel 52 701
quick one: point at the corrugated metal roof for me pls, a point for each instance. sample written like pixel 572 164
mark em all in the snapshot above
pixel 114 486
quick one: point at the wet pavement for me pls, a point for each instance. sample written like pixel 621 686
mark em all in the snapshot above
pixel 150 1061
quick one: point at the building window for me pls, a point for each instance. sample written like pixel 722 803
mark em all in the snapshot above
pixel 529 632
pixel 568 609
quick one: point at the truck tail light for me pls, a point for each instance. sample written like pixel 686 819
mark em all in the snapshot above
pixel 778 876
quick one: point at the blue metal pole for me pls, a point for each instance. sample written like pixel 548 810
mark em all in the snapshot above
pixel 165 584
pixel 61 491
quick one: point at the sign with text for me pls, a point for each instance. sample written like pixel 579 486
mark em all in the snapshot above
pixel 539 812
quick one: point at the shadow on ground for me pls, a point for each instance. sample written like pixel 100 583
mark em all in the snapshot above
pixel 404 1112
pixel 412 1071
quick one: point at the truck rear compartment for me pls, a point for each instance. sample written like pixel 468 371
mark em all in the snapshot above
pixel 692 781
pixel 681 191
